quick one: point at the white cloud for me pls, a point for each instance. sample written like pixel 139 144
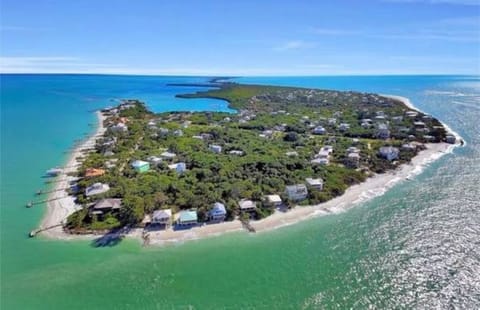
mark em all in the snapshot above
pixel 294 45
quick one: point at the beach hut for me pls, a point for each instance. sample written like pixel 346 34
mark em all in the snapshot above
pixel 141 166
pixel 218 212
pixel 187 218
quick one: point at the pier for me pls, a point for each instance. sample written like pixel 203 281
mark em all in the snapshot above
pixel 35 232
pixel 31 204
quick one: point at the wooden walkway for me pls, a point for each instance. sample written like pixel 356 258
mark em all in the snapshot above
pixel 35 232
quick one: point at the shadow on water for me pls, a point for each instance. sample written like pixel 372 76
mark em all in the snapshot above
pixel 111 238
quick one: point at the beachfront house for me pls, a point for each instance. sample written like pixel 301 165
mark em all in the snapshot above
pixel 141 166
pixel 106 205
pixel 247 205
pixel 119 128
pixel 450 139
pixel 411 114
pixel 315 183
pixel 96 189
pixel 187 218
pixel 218 212
pixel 389 152
pixel 215 148
pixel 296 192
pixel 162 217
pixel 352 160
pixel 274 200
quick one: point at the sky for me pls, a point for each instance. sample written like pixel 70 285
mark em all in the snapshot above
pixel 225 37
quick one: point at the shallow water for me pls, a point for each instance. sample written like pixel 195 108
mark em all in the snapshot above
pixel 417 246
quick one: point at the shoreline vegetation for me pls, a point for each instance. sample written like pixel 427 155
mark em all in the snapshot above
pixel 287 154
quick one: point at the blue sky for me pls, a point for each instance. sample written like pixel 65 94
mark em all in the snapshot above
pixel 241 37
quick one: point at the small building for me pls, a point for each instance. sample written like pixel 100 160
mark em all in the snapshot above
pixel 178 133
pixel 180 167
pixel 332 121
pixel 389 152
pixel 247 205
pixel 323 154
pixel 410 147
pixel 315 183
pixel 274 200
pixel 320 161
pixel 94 172
pixel 397 119
pixel 319 130
pixel 162 217
pixel 236 152
pixel 141 166
pixel 96 189
pixel 344 127
pixel 382 131
pixel 106 205
pixel 187 218
pixel 291 153
pixel 154 160
pixel 215 148
pixel 168 155
pixel 352 160
pixel 218 212
pixel 450 139
pixel 120 127
pixel 296 192
pixel 411 114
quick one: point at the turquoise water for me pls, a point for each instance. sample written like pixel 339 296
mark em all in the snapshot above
pixel 417 246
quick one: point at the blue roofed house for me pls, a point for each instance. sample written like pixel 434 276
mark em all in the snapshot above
pixel 141 166
pixel 218 212
pixel 186 218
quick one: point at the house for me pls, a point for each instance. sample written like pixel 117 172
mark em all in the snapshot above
pixel 178 133
pixel 397 119
pixel 94 172
pixel 353 149
pixel 215 148
pixel 106 205
pixel 344 127
pixel 218 212
pixel 352 160
pixel 315 183
pixel 120 127
pixel 187 218
pixel 296 192
pixel 389 152
pixel 450 139
pixel 319 130
pixel 409 147
pixel 96 188
pixel 274 200
pixel 247 205
pixel 141 166
pixel 179 167
pixel 236 152
pixel 382 131
pixel 291 153
pixel 162 217
pixel 168 155
pixel 323 154
pixel 332 121
pixel 411 114
pixel 154 160
pixel 320 161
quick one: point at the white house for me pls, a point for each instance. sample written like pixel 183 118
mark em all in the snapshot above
pixel 315 183
pixel 296 192
pixel 96 188
pixel 162 217
pixel 168 155
pixel 319 130
pixel 274 200
pixel 389 153
pixel 382 131
pixel 179 167
pixel 215 148
pixel 120 127
pixel 247 205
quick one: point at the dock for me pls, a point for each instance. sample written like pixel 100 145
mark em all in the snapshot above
pixel 35 232
pixel 31 204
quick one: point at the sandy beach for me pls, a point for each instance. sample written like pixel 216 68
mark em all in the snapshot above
pixel 60 205
pixel 58 210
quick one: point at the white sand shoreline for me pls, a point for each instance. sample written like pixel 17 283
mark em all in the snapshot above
pixel 374 186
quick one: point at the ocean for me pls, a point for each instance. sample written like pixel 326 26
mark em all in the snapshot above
pixel 415 247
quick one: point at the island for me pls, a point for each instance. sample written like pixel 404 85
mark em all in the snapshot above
pixel 284 149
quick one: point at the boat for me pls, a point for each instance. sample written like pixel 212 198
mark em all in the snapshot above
pixel 54 172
